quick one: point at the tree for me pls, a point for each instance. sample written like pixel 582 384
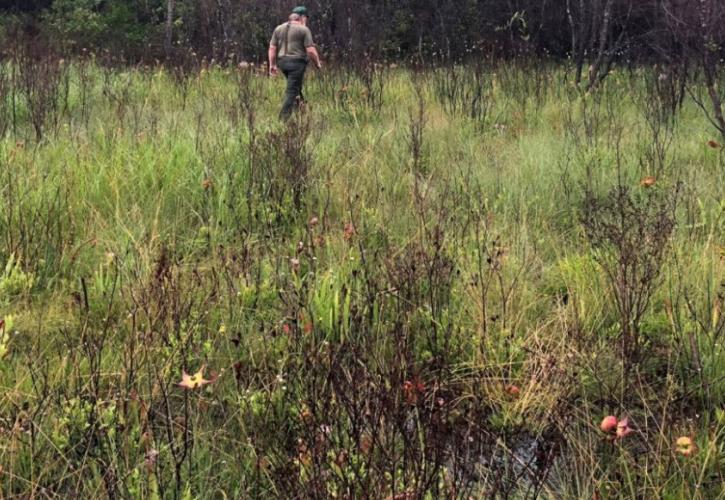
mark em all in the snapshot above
pixel 169 27
pixel 77 22
pixel 598 29
pixel 698 27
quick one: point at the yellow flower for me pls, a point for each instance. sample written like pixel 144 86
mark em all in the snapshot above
pixel 110 258
pixel 685 446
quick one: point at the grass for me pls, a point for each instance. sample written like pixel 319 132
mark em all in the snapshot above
pixel 398 297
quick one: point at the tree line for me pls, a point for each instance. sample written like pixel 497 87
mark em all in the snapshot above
pixel 687 37
pixel 594 33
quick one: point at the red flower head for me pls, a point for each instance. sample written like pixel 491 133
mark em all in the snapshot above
pixel 413 389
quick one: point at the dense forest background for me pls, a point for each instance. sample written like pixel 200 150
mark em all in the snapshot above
pixel 591 32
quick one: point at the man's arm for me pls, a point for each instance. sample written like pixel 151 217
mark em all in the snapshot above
pixel 272 56
pixel 314 56
pixel 311 50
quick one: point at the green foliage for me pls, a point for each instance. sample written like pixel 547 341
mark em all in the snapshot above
pixel 77 21
pixel 91 24
pixel 6 330
pixel 14 282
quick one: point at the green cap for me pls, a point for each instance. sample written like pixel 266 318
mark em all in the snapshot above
pixel 301 11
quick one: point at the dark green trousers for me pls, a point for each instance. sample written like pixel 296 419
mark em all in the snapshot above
pixel 294 71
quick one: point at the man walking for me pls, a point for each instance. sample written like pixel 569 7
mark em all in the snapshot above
pixel 290 50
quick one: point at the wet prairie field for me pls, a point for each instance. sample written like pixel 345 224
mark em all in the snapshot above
pixel 427 284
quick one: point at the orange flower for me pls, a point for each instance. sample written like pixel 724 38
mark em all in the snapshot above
pixel 196 380
pixel 713 144
pixel 685 446
pixel 609 424
pixel 206 184
pixel 648 181
pixel 349 231
pixel 616 429
pixel 306 415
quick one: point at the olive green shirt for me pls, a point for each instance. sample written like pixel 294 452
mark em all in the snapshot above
pixel 292 40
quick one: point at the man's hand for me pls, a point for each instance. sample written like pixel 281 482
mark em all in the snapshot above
pixel 272 60
pixel 314 57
